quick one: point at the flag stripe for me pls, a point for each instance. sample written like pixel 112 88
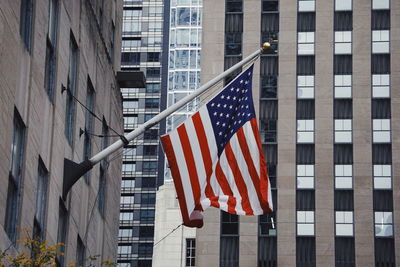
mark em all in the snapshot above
pixel 169 151
pixel 191 166
pixel 225 188
pixel 183 170
pixel 205 152
pixel 238 178
pixel 250 165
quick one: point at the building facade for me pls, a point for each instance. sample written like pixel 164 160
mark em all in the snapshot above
pixel 58 96
pixel 327 94
pixel 145 29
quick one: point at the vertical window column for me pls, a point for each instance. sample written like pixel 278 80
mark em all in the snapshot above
pixel 229 240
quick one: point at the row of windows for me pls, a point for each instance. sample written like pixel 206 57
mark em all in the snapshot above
pixel 341 5
pixel 144 198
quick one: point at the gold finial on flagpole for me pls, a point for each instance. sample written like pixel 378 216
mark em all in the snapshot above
pixel 266 46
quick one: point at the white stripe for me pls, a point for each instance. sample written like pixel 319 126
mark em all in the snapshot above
pixel 270 204
pixel 253 146
pixel 180 160
pixel 244 170
pixel 198 157
pixel 232 184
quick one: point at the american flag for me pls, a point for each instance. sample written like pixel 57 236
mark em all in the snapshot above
pixel 216 159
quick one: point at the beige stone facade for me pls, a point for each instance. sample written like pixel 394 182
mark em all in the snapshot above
pixel 208 237
pixel 97 31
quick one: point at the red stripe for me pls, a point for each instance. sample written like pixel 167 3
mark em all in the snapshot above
pixel 226 189
pixel 263 165
pixel 240 184
pixel 250 165
pixel 191 165
pixel 169 151
pixel 205 152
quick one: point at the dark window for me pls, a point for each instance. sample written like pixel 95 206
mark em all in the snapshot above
pixel 305 252
pixel 150 166
pixel 269 65
pixel 145 250
pixel 148 117
pixel 153 72
pixel 102 190
pixel 149 198
pixel 271 168
pixel 305 200
pixel 229 224
pixel 270 5
pixel 344 200
pixel 153 56
pixel 271 153
pixel 150 150
pixel 146 231
pixel 343 109
pixel 343 154
pixel 151 134
pixel 305 154
pixel 62 231
pixel 234 23
pixel 267 251
pixel 343 21
pixel 15 178
pixel 190 252
pixel 383 200
pixel 130 58
pixel 146 216
pixel 268 131
pixel 148 182
pixel 229 251
pixel 269 87
pixel 380 20
pixel 344 252
pixel 269 25
pixel 80 252
pixel 153 87
pixel 381 154
pixel 71 90
pixel 268 110
pixel 26 23
pixel 343 64
pixel 51 49
pixel 112 41
pixel 266 224
pixel 233 44
pixel 384 252
pixel 234 6
pixel 87 142
pixel 41 199
pixel 305 109
pixel 381 109
pixel 152 103
pixel 144 263
pixel 306 22
pixel 380 63
pixel 305 65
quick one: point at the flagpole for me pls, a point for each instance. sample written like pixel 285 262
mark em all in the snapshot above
pixel 73 171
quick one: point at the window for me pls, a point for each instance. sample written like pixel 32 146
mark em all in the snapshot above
pixel 343 86
pixel 343 21
pixel 380 85
pixel 234 6
pixel 127 184
pixel 381 130
pixel 153 72
pixel 383 224
pixel 343 64
pixel 306 5
pixel 62 231
pixel 150 166
pixel 128 167
pixel 380 42
pixel 267 224
pixel 305 176
pixel 345 251
pixel 147 216
pixel 150 134
pixel 71 90
pixel 305 86
pixel 126 216
pixel 124 233
pixel 233 43
pixel 149 199
pixel 229 240
pixel 155 26
pixel 87 142
pixel 343 176
pixel 130 105
pixel 41 199
pixel 343 43
pixel 145 250
pixel 125 249
pixel 131 27
pixel 150 150
pixel 344 223
pixel 305 65
pixel 153 87
pixel 15 178
pixel 268 131
pixel 127 199
pixel 51 49
pixel 26 23
pixel 148 182
pixel 305 251
pixel 343 5
pixel 152 103
pixel 130 121
pixel 305 131
pixel 269 88
pixel 130 58
pixel 305 42
pixel 153 56
pixel 380 63
pixel 102 190
pixel 305 223
pixel 148 117
pixel 306 22
pixel 190 251
pixel 382 177
pixel 343 130
pixel 229 224
pixel 380 4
